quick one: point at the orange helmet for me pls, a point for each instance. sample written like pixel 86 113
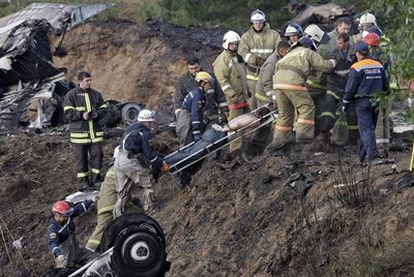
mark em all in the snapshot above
pixel 372 39
pixel 63 208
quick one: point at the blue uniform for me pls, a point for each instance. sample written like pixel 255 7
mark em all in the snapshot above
pixel 194 102
pixel 57 234
pixel 136 141
pixel 366 78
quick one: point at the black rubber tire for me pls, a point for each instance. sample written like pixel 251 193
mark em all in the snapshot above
pixel 124 221
pixel 129 113
pixel 137 252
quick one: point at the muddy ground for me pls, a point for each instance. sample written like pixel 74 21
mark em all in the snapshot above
pixel 234 219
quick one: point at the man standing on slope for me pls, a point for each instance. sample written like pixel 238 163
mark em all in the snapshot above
pixel 83 108
pixel 256 45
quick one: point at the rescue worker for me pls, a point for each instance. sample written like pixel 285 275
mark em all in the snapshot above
pixel 344 56
pixel 293 32
pixel 61 234
pixel 264 87
pixel 292 96
pixel 366 21
pixel 383 132
pixel 104 206
pixel 231 75
pixel 265 95
pixel 190 124
pixel 83 108
pixel 216 108
pixel 343 26
pixel 367 77
pixel 256 45
pixel 136 164
pixel 316 82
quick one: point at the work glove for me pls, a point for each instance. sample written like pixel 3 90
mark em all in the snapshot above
pixel 165 168
pixel 259 61
pixel 60 261
pixel 333 61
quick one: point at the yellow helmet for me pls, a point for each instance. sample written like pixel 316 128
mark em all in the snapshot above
pixel 203 76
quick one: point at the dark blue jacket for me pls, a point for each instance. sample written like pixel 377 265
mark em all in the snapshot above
pixel 136 141
pixel 57 234
pixel 194 102
pixel 365 79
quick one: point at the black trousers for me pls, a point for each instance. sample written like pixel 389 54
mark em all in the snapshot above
pixel 93 164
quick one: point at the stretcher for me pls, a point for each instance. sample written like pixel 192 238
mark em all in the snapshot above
pixel 212 147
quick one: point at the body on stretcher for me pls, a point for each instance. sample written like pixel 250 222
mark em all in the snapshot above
pixel 217 138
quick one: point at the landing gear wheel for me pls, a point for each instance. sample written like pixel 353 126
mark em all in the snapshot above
pixel 130 113
pixel 137 252
pixel 127 220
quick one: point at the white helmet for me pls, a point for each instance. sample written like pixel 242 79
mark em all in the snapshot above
pixel 368 18
pixel 257 16
pixel 229 37
pixel 146 116
pixel 314 32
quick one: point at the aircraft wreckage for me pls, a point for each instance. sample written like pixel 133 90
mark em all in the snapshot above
pixel 31 86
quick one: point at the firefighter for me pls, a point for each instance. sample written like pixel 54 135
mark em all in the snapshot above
pixel 191 124
pixel 265 94
pixel 292 96
pixel 367 77
pixel 136 164
pixel 264 87
pixel 256 45
pixel 61 234
pixel 83 108
pixel 336 81
pixel 293 32
pixel 366 21
pixel 316 82
pixel 104 206
pixel 216 108
pixel 231 75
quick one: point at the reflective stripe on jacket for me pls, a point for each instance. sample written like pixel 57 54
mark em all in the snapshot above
pixel 253 44
pixel 366 78
pixel 296 66
pixel 76 102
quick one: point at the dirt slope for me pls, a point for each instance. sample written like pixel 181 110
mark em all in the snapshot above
pixel 233 220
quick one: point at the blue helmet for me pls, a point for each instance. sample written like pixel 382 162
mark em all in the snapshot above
pixel 375 29
pixel 307 42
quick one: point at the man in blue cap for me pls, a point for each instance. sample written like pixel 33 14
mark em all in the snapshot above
pixel 367 77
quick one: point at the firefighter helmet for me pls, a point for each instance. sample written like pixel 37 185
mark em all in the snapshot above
pixel 257 16
pixel 314 32
pixel 203 76
pixel 146 116
pixel 63 208
pixel 230 37
pixel 294 29
pixel 368 18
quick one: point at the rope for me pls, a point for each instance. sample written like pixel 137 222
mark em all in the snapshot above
pixel 7 249
pixel 18 250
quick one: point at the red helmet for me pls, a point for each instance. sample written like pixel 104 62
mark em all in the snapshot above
pixel 372 39
pixel 63 208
